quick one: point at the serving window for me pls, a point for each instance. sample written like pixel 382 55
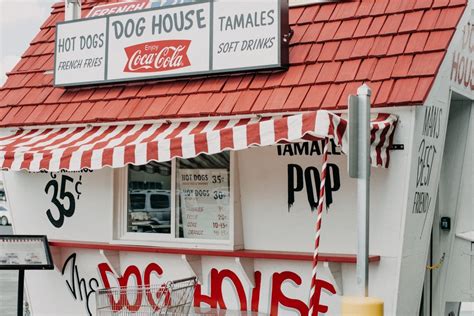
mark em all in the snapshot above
pixel 184 200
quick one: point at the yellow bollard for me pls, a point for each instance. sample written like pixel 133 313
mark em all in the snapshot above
pixel 361 306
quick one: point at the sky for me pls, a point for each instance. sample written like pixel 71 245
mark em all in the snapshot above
pixel 20 21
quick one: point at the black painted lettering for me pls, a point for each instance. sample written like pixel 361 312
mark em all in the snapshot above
pixel 295 182
pixel 84 288
pixel 61 198
pixel 288 150
pixel 301 148
pixel 335 150
pixel 315 148
pixel 333 182
pixel 313 183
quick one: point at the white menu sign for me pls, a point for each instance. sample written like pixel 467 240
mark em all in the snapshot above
pixel 18 250
pixel 246 34
pixel 80 51
pixel 204 203
pixel 203 37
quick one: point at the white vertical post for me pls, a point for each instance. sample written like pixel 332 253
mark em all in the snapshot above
pixel 72 9
pixel 363 191
pixel 359 167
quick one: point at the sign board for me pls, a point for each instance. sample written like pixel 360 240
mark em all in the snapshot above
pixel 119 7
pixel 204 202
pixel 24 252
pixel 202 37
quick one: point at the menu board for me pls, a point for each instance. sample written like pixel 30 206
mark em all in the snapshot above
pixel 24 252
pixel 204 202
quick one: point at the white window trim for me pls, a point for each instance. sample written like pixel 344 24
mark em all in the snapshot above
pixel 121 236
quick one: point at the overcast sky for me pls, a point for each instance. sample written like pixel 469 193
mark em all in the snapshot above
pixel 20 21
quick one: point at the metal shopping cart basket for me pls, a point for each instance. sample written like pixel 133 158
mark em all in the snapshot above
pixel 171 298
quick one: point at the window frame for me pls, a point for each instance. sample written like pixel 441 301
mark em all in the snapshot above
pixel 122 236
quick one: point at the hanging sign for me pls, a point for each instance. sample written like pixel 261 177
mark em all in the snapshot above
pixel 212 36
pixel 204 203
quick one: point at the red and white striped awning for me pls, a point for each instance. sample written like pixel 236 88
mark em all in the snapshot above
pixel 95 147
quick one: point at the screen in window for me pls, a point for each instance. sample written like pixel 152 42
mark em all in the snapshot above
pixel 202 197
pixel 149 198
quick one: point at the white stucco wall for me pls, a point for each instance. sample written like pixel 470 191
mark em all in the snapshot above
pixel 429 137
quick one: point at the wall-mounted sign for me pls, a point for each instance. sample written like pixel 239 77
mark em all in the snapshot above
pixel 185 39
pixel 119 7
pixel 204 202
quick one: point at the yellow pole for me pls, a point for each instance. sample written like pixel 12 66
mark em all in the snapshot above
pixel 361 306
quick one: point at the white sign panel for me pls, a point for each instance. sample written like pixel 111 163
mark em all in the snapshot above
pixel 204 203
pixel 246 33
pixel 80 51
pixel 186 39
pixel 151 43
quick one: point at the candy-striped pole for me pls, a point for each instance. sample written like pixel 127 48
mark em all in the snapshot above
pixel 322 189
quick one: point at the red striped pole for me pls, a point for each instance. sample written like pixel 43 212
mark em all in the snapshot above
pixel 322 195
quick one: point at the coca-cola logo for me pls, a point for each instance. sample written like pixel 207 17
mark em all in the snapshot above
pixel 157 56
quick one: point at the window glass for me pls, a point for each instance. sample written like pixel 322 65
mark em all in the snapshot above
pixel 202 197
pixel 137 202
pixel 149 192
pixel 158 201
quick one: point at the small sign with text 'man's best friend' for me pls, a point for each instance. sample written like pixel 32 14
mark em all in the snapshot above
pixel 203 37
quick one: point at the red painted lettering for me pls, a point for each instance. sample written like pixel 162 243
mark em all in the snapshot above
pixel 157 56
pixel 279 298
pixel 123 282
pixel 256 291
pixel 462 67
pixel 321 284
pixel 200 298
pixel 216 297
pixel 162 291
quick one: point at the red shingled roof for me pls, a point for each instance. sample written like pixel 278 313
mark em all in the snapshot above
pixel 394 46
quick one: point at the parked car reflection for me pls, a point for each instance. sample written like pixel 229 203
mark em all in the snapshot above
pixel 5 217
pixel 150 211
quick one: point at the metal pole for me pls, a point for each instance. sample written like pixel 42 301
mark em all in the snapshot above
pixel 363 190
pixel 21 285
pixel 72 10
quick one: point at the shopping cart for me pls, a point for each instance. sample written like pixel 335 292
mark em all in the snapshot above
pixel 171 298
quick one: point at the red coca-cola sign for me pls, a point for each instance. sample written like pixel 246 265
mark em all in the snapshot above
pixel 157 56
